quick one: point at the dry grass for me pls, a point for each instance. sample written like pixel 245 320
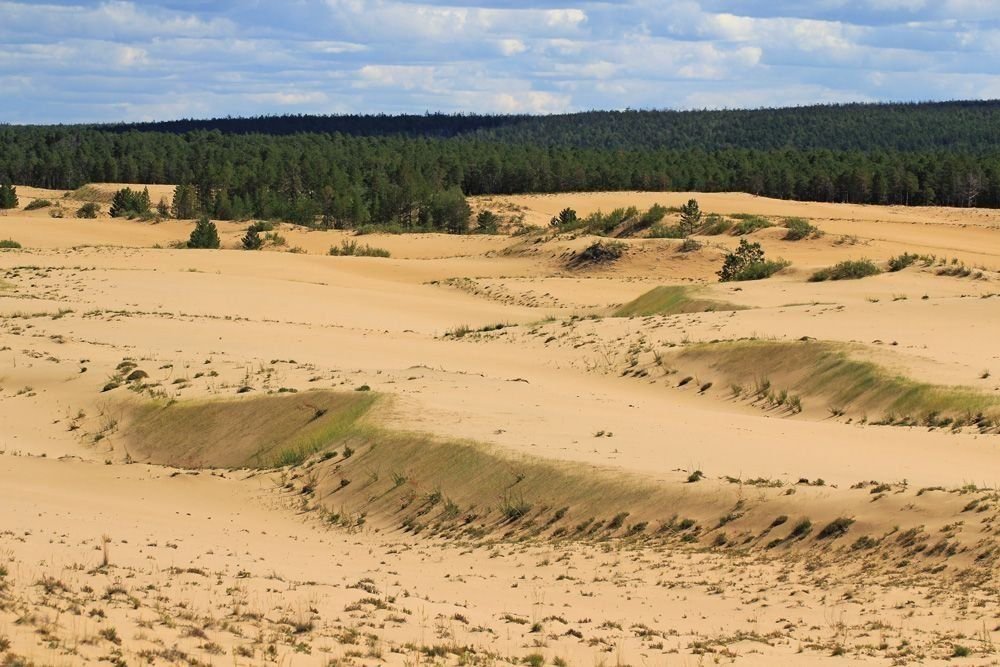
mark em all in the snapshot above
pixel 259 432
pixel 827 370
pixel 671 300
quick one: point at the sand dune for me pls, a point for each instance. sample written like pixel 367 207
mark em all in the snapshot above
pixel 508 408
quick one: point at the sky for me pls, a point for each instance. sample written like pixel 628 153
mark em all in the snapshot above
pixel 115 60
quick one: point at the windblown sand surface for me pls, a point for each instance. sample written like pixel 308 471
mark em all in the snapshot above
pixel 470 460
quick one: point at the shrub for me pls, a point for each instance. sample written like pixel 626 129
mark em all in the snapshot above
pixel 8 196
pixel 567 219
pixel 129 203
pixel 36 204
pixel 252 240
pixel 690 216
pixel 9 244
pixel 900 262
pixel 800 228
pixel 600 252
pixel 715 225
pixel 354 249
pixel 750 224
pixel 689 245
pixel 836 528
pixel 487 222
pixel 88 210
pixel 666 232
pixel 205 235
pixel 847 270
pixel 747 262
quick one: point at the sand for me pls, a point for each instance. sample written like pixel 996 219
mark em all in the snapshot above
pixel 109 558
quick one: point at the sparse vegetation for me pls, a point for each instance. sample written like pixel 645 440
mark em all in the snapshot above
pixel 9 244
pixel 747 262
pixel 350 248
pixel 800 228
pixel 847 270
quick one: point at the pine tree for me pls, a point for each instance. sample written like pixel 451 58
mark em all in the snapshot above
pixel 8 196
pixel 690 217
pixel 251 240
pixel 204 235
pixel 183 206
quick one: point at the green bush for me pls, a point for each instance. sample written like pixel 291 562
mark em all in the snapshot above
pixel 9 244
pixel 252 240
pixel 130 203
pixel 900 262
pixel 666 232
pixel 715 225
pixel 747 262
pixel 847 270
pixel 800 228
pixel 36 204
pixel 88 210
pixel 354 249
pixel 8 196
pixel 750 224
pixel 205 235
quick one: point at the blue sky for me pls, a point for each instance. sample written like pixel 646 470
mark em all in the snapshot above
pixel 78 60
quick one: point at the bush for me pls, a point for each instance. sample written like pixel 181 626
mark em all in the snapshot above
pixel 599 253
pixel 487 222
pixel 689 245
pixel 129 203
pixel 36 204
pixel 8 196
pixel 566 219
pixel 9 244
pixel 847 270
pixel 354 249
pixel 900 262
pixel 800 228
pixel 665 232
pixel 205 235
pixel 836 528
pixel 750 224
pixel 715 225
pixel 747 262
pixel 252 240
pixel 88 210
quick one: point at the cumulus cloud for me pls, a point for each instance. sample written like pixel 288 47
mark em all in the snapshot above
pixel 84 60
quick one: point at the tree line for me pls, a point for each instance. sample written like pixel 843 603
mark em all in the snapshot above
pixel 417 179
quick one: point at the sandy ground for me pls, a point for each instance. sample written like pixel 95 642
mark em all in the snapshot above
pixel 103 560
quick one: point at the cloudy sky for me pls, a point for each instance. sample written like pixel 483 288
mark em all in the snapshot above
pixel 80 60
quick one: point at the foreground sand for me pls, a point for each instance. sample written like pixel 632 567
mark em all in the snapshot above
pixel 240 567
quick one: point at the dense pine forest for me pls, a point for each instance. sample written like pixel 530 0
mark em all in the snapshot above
pixel 412 172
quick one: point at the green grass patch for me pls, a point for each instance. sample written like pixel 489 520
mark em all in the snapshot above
pixel 9 244
pixel 750 224
pixel 36 204
pixel 800 228
pixel 852 269
pixel 354 249
pixel 827 370
pixel 257 432
pixel 671 300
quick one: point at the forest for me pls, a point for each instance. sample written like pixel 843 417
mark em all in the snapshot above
pixel 413 172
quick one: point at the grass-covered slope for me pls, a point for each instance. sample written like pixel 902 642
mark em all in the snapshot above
pixel 254 432
pixel 671 300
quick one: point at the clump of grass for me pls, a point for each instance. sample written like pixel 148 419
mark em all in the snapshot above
pixel 715 225
pixel 800 228
pixel 847 270
pixel 9 244
pixel 750 224
pixel 836 528
pixel 599 252
pixel 801 529
pixel 900 262
pixel 36 204
pixel 349 248
pixel 671 300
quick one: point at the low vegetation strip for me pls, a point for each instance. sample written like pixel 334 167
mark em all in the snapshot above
pixel 827 370
pixel 671 300
pixel 252 432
